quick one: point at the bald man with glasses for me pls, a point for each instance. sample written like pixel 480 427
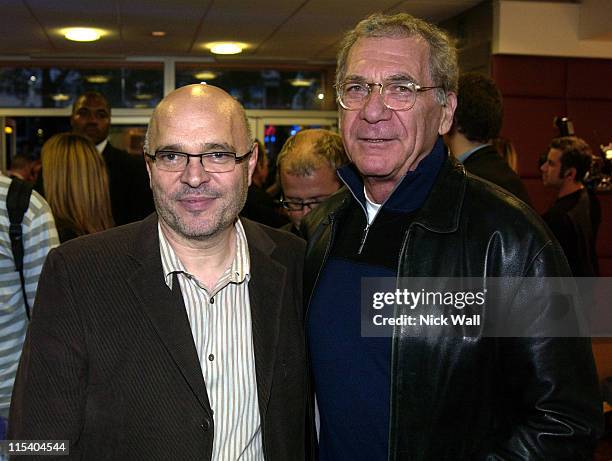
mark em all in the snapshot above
pixel 180 336
pixel 400 381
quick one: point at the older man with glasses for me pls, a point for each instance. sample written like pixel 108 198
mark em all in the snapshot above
pixel 502 385
pixel 180 336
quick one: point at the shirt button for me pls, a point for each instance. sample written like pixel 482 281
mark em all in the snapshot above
pixel 206 424
pixel 212 300
pixel 211 357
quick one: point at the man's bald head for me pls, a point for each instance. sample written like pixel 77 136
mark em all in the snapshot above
pixel 194 101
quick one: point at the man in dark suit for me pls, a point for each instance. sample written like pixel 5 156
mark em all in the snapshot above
pixel 130 194
pixel 477 121
pixel 179 337
pixel 575 216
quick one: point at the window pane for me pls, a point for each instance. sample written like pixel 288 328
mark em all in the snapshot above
pixel 261 89
pixel 55 86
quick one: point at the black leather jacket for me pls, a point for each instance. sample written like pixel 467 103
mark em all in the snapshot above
pixel 478 398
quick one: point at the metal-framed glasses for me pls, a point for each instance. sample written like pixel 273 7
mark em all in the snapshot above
pixel 213 162
pixel 299 205
pixel 396 95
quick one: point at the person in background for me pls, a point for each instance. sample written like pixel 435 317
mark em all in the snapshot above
pixel 575 216
pixel 130 193
pixel 259 205
pixel 506 150
pixel 306 171
pixel 76 185
pixel 476 123
pixel 39 236
pixel 412 214
pixel 21 168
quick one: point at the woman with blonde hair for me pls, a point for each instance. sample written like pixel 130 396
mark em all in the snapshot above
pixel 76 185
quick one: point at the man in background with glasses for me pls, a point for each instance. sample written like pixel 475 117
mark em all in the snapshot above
pixel 180 336
pixel 306 171
pixel 410 211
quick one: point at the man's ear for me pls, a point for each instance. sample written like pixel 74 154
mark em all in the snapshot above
pixel 570 173
pixel 253 161
pixel 148 165
pixel 448 111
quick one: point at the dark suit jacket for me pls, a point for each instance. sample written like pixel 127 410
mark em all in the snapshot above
pixel 130 194
pixel 489 165
pixel 109 362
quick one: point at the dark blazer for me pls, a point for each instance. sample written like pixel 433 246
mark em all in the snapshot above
pixel 130 194
pixel 489 165
pixel 109 362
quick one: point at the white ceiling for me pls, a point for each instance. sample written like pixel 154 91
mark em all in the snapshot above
pixel 306 31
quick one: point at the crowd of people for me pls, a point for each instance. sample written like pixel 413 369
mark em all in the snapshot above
pixel 182 327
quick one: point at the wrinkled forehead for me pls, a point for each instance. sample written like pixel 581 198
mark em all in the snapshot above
pixel 389 57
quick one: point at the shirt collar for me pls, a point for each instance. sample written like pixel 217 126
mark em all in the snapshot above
pixel 100 147
pixel 412 190
pixel 237 272
pixel 463 157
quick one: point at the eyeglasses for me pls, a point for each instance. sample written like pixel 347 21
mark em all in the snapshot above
pixel 396 95
pixel 298 205
pixel 213 162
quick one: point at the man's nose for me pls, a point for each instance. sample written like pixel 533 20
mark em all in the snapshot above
pixel 374 109
pixel 194 173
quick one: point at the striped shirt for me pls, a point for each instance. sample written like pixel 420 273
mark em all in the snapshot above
pixel 220 323
pixel 39 236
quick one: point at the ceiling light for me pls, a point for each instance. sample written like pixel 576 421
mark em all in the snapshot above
pixel 60 97
pixel 205 75
pixel 82 34
pixel 321 96
pixel 97 79
pixel 301 82
pixel 226 47
pixel 8 129
pixel 158 33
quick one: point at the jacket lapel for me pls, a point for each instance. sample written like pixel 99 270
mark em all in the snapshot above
pixel 266 292
pixel 165 309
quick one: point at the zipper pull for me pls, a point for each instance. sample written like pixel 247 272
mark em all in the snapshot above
pixel 363 239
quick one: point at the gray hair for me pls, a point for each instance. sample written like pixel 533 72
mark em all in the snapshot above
pixel 443 66
pixel 327 149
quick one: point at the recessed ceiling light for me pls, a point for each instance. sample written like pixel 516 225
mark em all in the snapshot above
pixel 158 33
pixel 97 79
pixel 226 47
pixel 82 34
pixel 205 75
